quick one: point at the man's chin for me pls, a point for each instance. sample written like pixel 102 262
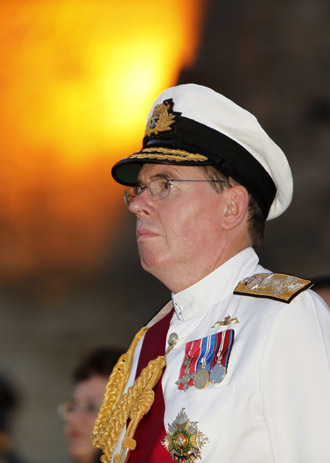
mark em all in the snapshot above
pixel 152 264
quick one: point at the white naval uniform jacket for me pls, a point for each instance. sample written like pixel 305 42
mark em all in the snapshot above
pixel 273 405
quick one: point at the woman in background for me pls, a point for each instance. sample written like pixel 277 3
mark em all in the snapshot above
pixel 9 400
pixel 90 379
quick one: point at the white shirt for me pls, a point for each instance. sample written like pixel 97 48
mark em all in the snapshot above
pixel 273 405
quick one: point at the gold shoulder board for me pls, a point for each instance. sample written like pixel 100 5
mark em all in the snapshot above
pixel 272 286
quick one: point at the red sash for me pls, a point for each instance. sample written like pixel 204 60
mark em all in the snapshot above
pixel 150 431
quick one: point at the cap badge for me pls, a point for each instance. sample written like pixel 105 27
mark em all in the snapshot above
pixel 161 119
pixel 183 440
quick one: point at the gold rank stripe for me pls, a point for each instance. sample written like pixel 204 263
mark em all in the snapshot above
pixel 168 154
pixel 272 286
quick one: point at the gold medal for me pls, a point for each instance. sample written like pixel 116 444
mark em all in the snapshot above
pixel 202 378
pixel 183 440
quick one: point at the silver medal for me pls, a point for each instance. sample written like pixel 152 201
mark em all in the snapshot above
pixel 187 376
pixel 217 374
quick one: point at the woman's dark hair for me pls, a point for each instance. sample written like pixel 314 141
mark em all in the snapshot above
pixel 322 282
pixel 8 401
pixel 99 361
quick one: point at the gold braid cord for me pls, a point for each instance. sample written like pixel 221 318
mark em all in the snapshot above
pixel 117 408
pixel 114 390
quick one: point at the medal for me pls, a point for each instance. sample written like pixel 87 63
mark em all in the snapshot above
pixel 183 440
pixel 202 378
pixel 218 372
pixel 187 376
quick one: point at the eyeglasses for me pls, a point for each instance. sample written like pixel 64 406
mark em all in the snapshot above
pixel 159 188
pixel 86 408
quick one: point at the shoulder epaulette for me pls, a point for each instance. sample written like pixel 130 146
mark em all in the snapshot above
pixel 272 286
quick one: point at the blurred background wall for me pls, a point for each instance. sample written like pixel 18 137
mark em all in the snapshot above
pixel 77 79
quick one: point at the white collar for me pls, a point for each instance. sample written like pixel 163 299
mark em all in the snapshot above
pixel 213 288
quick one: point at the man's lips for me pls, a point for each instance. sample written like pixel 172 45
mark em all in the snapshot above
pixel 144 232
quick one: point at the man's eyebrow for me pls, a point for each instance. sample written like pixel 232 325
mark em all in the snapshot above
pixel 164 174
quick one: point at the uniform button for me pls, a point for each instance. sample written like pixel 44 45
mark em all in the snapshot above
pixel 178 309
pixel 173 339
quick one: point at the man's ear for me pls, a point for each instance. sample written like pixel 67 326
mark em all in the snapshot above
pixel 237 202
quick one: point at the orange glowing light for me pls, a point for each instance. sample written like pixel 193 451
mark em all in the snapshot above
pixel 77 79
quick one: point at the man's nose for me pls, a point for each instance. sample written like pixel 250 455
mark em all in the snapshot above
pixel 141 204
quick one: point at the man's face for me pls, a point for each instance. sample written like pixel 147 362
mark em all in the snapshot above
pixel 181 234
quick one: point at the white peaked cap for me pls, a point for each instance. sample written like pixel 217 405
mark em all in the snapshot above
pixel 193 125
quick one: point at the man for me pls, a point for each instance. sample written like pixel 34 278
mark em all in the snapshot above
pixel 245 377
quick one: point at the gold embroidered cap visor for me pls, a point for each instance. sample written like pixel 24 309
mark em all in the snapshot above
pixel 193 125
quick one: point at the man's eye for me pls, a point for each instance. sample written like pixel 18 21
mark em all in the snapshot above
pixel 165 184
pixel 138 190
